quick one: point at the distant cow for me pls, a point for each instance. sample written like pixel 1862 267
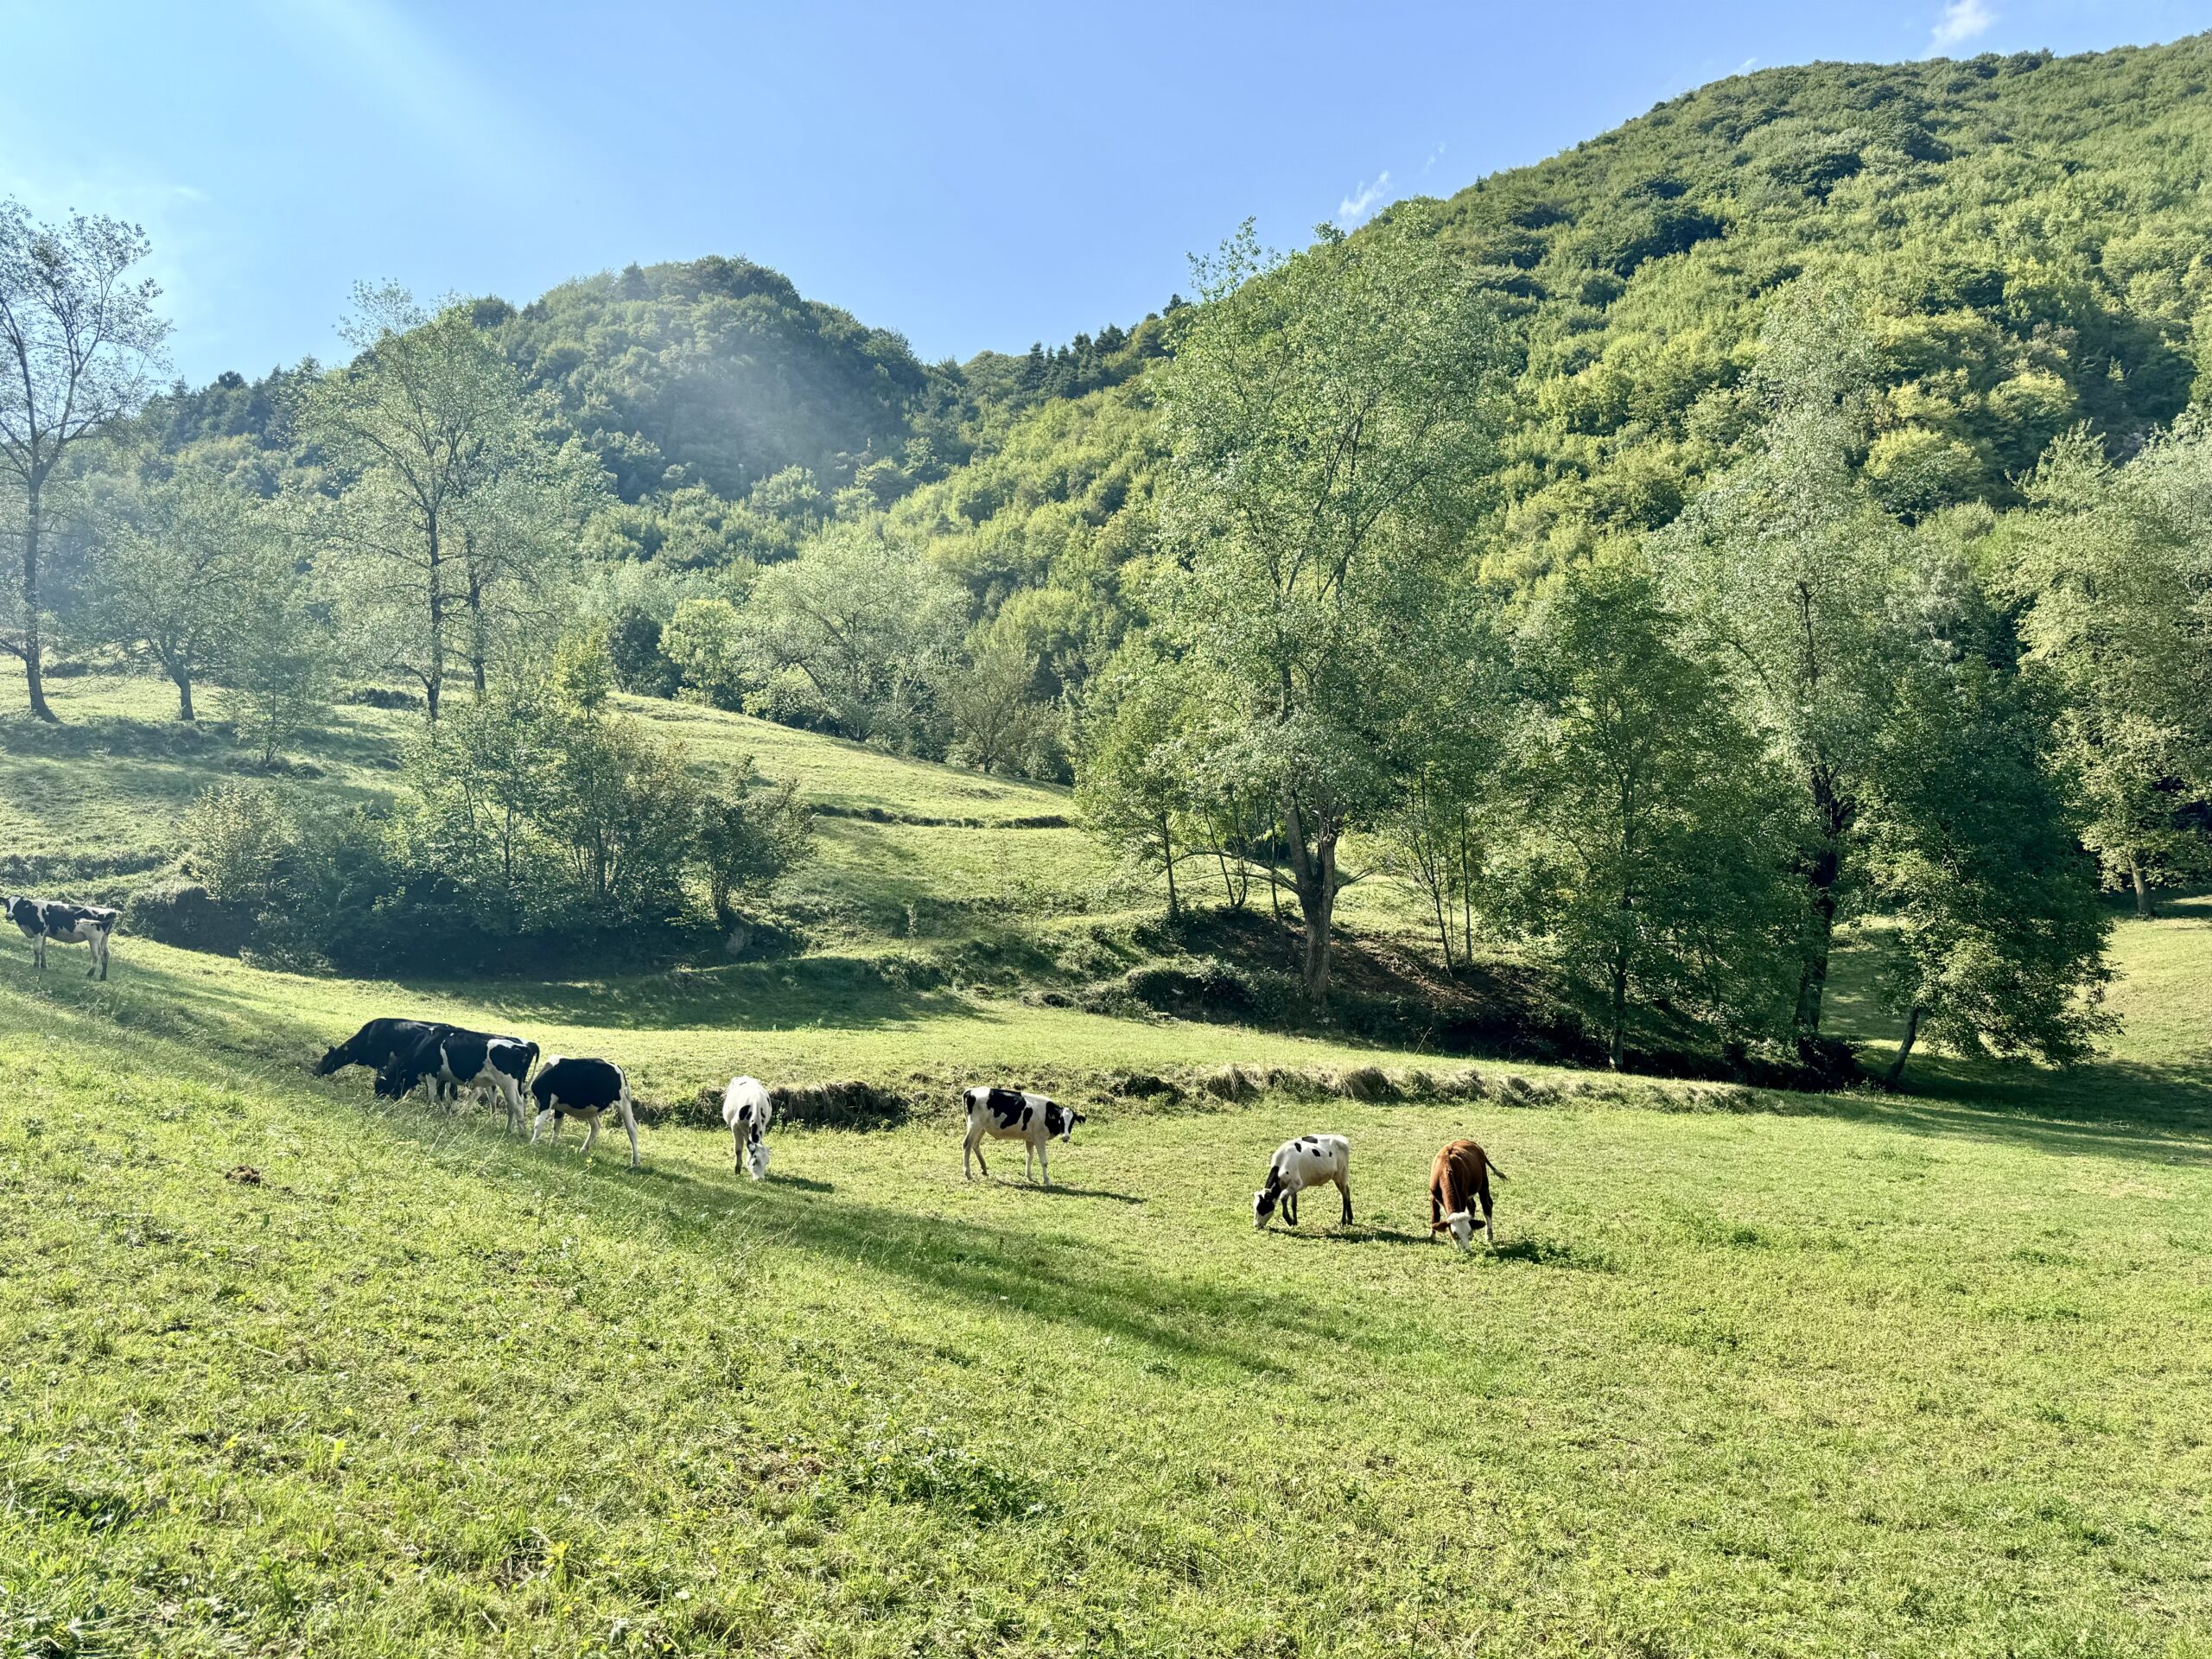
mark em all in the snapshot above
pixel 377 1043
pixel 582 1088
pixel 1459 1180
pixel 1310 1160
pixel 41 920
pixel 747 1110
pixel 449 1061
pixel 1015 1115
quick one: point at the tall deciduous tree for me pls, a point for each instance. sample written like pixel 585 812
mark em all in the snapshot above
pixel 2000 937
pixel 2115 571
pixel 865 622
pixel 1784 568
pixel 1331 415
pixel 182 571
pixel 450 499
pixel 1647 839
pixel 82 344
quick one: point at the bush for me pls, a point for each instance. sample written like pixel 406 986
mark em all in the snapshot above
pixel 187 915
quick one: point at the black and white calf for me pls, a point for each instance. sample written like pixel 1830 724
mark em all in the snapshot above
pixel 1015 1115
pixel 41 920
pixel 377 1043
pixel 447 1060
pixel 1310 1160
pixel 582 1088
pixel 747 1109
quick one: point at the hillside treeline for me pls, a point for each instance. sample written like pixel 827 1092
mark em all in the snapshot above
pixel 1784 510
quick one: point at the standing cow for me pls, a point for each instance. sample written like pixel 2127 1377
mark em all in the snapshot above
pixel 582 1088
pixel 1015 1115
pixel 41 920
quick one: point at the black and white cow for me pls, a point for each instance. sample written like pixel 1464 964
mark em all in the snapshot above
pixel 41 920
pixel 377 1043
pixel 1014 1114
pixel 1310 1160
pixel 449 1061
pixel 747 1109
pixel 582 1088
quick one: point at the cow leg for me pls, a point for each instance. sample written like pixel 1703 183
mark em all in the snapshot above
pixel 537 1125
pixel 1343 1185
pixel 38 953
pixel 1290 1206
pixel 1029 1160
pixel 591 1137
pixel 1044 1163
pixel 103 958
pixel 1490 1229
pixel 630 1123
pixel 974 1149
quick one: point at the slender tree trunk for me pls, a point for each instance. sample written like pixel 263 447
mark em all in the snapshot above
pixel 1619 1048
pixel 1823 872
pixel 1443 926
pixel 183 683
pixel 34 644
pixel 1168 857
pixel 1891 1078
pixel 1313 877
pixel 434 681
pixel 2147 908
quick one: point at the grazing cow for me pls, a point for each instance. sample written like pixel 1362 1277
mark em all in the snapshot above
pixel 41 920
pixel 1458 1179
pixel 1015 1115
pixel 377 1043
pixel 1307 1161
pixel 449 1060
pixel 582 1088
pixel 747 1110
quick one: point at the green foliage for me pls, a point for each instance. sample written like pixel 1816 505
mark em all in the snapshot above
pixel 1644 836
pixel 998 722
pixel 1329 417
pixel 715 373
pixel 855 632
pixel 748 838
pixel 706 644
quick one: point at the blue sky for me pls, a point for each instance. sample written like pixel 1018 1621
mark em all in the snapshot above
pixel 974 176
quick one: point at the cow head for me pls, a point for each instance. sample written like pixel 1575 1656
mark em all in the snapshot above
pixel 396 1079
pixel 1060 1120
pixel 22 911
pixel 331 1059
pixel 1463 1226
pixel 756 1160
pixel 1264 1200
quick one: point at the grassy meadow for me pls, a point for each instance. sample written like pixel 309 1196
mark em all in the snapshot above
pixel 285 1370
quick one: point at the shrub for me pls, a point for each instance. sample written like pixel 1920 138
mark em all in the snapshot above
pixel 187 915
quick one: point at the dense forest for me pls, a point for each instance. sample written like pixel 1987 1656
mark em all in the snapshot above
pixel 1732 496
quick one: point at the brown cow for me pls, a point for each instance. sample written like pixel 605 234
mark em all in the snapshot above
pixel 1461 1176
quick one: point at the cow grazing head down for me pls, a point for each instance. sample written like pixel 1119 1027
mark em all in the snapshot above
pixel 1264 1200
pixel 1462 1226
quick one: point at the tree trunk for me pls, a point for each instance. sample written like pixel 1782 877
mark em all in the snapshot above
pixel 2147 908
pixel 1895 1073
pixel 480 647
pixel 1822 875
pixel 184 698
pixel 434 680
pixel 1620 1047
pixel 1313 878
pixel 1168 857
pixel 33 645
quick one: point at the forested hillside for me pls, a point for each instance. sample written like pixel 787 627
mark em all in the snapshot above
pixel 1815 441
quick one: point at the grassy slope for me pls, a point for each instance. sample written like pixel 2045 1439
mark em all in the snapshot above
pixel 1925 1380
pixel 1921 1377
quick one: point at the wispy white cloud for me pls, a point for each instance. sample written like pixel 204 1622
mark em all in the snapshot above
pixel 1434 156
pixel 1354 209
pixel 1962 20
pixel 1747 66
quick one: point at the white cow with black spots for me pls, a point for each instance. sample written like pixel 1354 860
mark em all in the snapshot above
pixel 1014 1114
pixel 1310 1160
pixel 747 1109
pixel 41 920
